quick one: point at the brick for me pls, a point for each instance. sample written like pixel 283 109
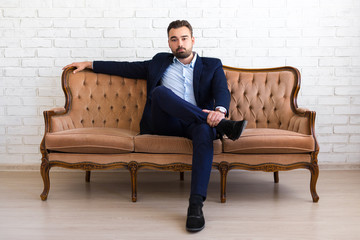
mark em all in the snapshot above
pixel 355 120
pixel 347 72
pixel 302 61
pixel 18 33
pixel 36 3
pixel 346 148
pixel 32 139
pixel 347 52
pixel 120 53
pixel 53 52
pixel 332 119
pixel 333 42
pixel 120 13
pixel 348 32
pixel 199 23
pixel 219 33
pixel 40 81
pixel 19 72
pixel 352 129
pixel 203 3
pixel 333 138
pixel 220 13
pixel 108 4
pixel 335 22
pixel 135 23
pixel 103 22
pixel 143 42
pixel 50 72
pixel 268 62
pixel 152 33
pixel 230 23
pixel 70 43
pixel 334 62
pixel 37 62
pixel 347 91
pixel 94 53
pixel 318 91
pixel 23 149
pixel 269 4
pixel 354 139
pixel 116 33
pixel 10 101
pixel 33 121
pixel 252 33
pixel 225 42
pixel 68 3
pixel 215 52
pixel 69 23
pixel 10 43
pixel 54 13
pixel 21 111
pixel 36 23
pixel 318 52
pixel 19 52
pixel 287 52
pixel 331 158
pixel 302 42
pixel 9 3
pixel 14 140
pixel 9 23
pixel 20 92
pixel 353 158
pixel 246 13
pixel 236 4
pixel 319 32
pixel 251 52
pixel 184 13
pixel 9 62
pixel 168 4
pixel 19 13
pixel 334 100
pixel 86 13
pixel 264 22
pixel 54 33
pixel 103 43
pixel 35 42
pixel 346 110
pixel 50 92
pixel 160 12
pixel 285 32
pixel 146 53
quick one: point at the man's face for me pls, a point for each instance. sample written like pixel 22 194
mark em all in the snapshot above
pixel 181 42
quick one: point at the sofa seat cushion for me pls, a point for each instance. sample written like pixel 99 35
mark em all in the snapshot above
pixel 267 140
pixel 168 144
pixel 91 140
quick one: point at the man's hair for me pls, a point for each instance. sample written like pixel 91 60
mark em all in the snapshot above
pixel 179 24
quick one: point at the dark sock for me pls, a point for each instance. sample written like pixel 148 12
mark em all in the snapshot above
pixel 196 199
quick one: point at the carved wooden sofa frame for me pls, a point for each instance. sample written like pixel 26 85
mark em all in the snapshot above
pixel 246 103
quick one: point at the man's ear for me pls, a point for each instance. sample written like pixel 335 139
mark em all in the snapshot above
pixel 193 40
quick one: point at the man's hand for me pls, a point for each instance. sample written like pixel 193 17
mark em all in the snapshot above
pixel 79 66
pixel 214 117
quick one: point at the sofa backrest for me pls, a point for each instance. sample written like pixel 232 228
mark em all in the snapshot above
pixel 266 98
pixel 100 100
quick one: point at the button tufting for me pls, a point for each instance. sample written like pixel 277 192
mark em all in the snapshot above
pixel 117 120
pixel 104 121
pixel 99 107
pixel 93 121
pixel 87 109
pixel 81 121
pixel 105 95
pixel 111 107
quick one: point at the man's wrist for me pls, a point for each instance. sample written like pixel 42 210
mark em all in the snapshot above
pixel 221 109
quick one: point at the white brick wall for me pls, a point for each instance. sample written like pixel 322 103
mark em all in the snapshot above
pixel 319 37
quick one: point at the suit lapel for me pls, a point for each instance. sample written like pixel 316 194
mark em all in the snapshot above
pixel 162 69
pixel 196 79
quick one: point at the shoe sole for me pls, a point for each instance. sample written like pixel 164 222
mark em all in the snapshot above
pixel 239 131
pixel 195 229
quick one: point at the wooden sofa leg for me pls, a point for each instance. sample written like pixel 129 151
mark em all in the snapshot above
pixel 44 170
pixel 314 169
pixel 224 169
pixel 133 168
pixel 181 176
pixel 276 177
pixel 87 176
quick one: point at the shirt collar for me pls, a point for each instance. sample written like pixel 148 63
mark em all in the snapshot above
pixel 192 63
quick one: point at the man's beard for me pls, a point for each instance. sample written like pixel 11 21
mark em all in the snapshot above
pixel 184 54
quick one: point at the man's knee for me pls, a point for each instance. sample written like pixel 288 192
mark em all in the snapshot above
pixel 203 132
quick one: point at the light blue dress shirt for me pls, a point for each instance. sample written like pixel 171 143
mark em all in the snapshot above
pixel 178 77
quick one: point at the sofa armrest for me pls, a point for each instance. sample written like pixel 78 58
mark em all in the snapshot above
pixel 56 119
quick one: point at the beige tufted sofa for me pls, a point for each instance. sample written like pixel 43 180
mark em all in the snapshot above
pixel 99 128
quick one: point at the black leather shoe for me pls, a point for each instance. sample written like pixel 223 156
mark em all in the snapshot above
pixel 195 219
pixel 232 129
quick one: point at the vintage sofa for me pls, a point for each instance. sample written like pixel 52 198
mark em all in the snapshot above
pixel 99 125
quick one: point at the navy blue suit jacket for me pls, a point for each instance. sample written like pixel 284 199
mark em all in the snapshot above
pixel 210 84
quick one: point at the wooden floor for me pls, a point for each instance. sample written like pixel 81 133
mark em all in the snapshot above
pixel 256 207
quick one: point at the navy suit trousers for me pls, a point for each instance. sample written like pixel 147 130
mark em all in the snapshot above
pixel 173 116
